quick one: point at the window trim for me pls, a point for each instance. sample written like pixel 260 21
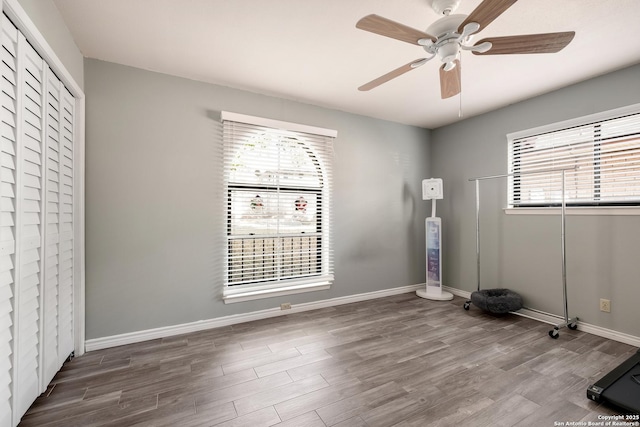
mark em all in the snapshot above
pixel 590 209
pixel 576 210
pixel 320 283
pixel 277 124
pixel 248 292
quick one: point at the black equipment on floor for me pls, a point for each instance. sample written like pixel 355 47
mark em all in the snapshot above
pixel 620 387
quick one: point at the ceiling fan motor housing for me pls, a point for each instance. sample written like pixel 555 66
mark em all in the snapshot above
pixel 446 27
pixel 448 51
pixel 448 40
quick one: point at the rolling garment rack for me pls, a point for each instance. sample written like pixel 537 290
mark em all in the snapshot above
pixel 571 323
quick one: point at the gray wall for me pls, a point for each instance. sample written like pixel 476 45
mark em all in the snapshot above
pixel 523 252
pixel 153 203
pixel 47 18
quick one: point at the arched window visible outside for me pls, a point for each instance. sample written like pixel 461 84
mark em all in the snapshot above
pixel 277 185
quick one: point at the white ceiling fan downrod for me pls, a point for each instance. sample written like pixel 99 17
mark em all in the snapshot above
pixel 444 7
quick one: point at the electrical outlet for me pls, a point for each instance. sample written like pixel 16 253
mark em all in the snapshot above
pixel 605 305
pixel 285 306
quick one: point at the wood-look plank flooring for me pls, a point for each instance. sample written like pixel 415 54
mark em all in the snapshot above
pixel 395 361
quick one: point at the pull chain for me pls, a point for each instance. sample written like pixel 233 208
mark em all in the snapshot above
pixel 460 94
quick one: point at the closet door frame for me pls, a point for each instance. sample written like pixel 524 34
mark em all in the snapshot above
pixel 22 21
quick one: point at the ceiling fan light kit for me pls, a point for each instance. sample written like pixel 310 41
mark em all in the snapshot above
pixel 452 33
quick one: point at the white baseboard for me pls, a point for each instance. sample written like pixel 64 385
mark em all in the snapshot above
pixel 185 328
pixel 554 319
pixel 457 292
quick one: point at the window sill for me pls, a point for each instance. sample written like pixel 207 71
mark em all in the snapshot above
pixel 252 293
pixel 594 211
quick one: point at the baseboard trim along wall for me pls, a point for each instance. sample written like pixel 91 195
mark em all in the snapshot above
pixel 554 319
pixel 185 328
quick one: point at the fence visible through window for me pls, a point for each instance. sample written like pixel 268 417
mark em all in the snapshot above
pixel 258 259
pixel 601 155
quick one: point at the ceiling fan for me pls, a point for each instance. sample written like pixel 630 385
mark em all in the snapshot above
pixel 446 37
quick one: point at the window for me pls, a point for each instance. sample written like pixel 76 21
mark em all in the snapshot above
pixel 277 183
pixel 601 154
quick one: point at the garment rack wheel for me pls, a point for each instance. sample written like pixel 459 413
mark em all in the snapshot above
pixel 572 324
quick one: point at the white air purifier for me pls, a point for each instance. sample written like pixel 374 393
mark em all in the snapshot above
pixel 432 190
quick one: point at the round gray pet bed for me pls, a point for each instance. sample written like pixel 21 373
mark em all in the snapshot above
pixel 497 301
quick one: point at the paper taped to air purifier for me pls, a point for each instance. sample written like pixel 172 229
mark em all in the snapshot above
pixel 434 267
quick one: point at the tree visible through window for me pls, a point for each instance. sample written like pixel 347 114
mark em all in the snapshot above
pixel 277 186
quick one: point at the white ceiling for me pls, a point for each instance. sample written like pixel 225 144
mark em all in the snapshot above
pixel 311 51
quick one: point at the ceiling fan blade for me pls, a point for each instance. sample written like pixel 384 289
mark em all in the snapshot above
pixel 529 43
pixel 450 84
pixel 391 75
pixel 486 12
pixel 388 28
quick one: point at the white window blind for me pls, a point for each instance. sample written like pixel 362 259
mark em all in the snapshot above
pixel 277 184
pixel 601 153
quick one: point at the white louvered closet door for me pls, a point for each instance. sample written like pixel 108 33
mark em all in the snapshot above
pixel 36 225
pixel 58 282
pixel 7 215
pixel 51 356
pixel 29 225
pixel 66 205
